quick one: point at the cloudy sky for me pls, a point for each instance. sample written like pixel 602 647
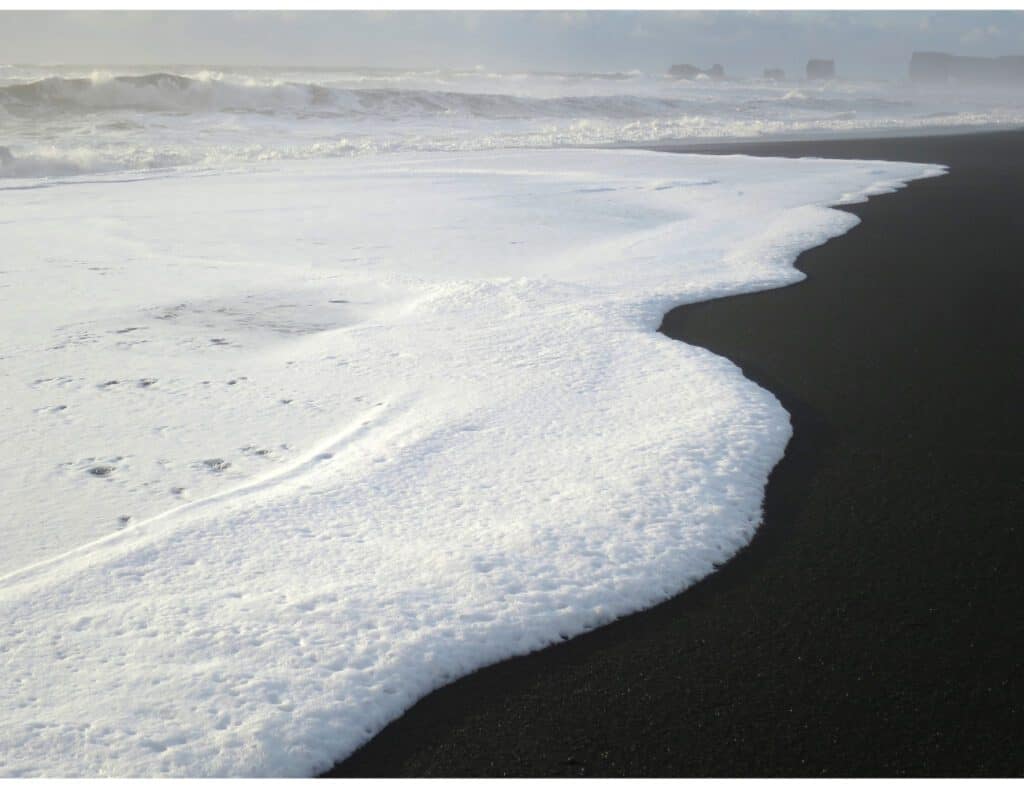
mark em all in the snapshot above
pixel 864 43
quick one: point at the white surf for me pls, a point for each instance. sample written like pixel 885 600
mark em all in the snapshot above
pixel 286 449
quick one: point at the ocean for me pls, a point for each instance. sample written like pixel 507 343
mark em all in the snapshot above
pixel 79 120
pixel 323 389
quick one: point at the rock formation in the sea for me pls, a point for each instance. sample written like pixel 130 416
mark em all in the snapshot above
pixel 688 71
pixel 821 69
pixel 684 71
pixel 776 74
pixel 941 67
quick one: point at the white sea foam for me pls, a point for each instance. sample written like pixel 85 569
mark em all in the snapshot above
pixel 375 422
pixel 58 122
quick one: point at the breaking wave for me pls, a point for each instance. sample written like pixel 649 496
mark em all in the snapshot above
pixel 168 92
pixel 70 121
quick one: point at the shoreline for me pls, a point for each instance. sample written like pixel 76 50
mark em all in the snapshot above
pixel 872 625
pixel 810 137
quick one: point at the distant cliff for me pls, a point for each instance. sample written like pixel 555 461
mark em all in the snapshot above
pixel 687 71
pixel 942 67
pixel 821 69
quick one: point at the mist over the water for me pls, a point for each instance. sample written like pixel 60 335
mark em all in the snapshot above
pixel 864 44
pixel 74 120
pixel 310 85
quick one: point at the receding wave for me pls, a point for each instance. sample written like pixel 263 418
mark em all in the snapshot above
pixel 82 160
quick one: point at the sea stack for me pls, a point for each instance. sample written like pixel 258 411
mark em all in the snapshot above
pixel 688 71
pixel 684 71
pixel 821 69
pixel 942 67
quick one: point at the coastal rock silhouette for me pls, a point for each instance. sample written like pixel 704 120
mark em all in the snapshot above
pixel 821 69
pixel 689 71
pixel 942 67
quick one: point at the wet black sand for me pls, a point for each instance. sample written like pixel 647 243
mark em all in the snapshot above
pixel 875 625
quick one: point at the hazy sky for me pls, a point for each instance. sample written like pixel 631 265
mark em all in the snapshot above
pixel 864 43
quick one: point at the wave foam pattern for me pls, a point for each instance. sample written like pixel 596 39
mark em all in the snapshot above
pixel 67 122
pixel 418 423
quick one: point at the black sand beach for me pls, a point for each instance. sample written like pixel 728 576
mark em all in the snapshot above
pixel 875 625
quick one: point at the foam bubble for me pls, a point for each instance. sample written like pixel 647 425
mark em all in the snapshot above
pixel 271 481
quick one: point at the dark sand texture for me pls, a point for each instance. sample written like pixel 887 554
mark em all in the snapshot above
pixel 875 625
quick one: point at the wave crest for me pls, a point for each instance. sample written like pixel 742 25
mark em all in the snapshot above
pixel 212 92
